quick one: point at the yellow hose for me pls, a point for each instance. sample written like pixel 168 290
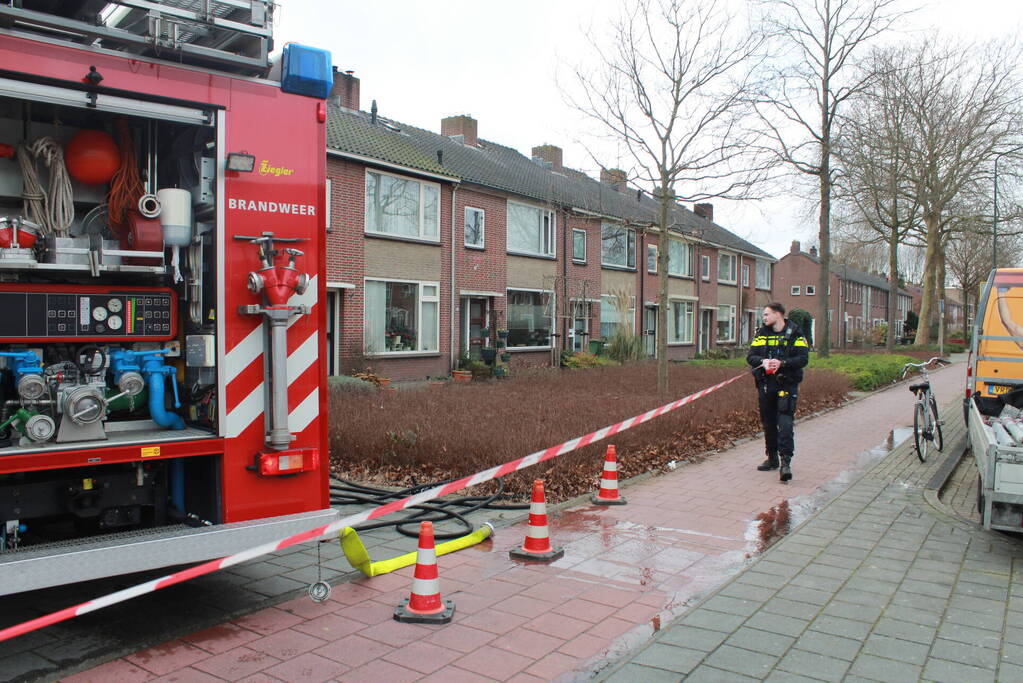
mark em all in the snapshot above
pixel 359 558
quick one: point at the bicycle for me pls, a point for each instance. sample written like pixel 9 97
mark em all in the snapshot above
pixel 926 423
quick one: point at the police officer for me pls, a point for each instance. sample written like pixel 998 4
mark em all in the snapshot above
pixel 778 354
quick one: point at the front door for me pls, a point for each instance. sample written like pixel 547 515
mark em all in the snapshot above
pixel 475 319
pixel 580 326
pixel 333 316
pixel 749 326
pixel 650 330
pixel 706 328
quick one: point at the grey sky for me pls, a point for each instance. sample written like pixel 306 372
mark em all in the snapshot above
pixel 498 62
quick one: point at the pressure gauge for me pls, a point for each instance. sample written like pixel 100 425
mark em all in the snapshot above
pixel 99 314
pixel 115 305
pixel 114 322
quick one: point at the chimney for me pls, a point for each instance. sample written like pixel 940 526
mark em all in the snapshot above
pixel 615 177
pixel 796 247
pixel 462 126
pixel 813 252
pixel 346 89
pixel 704 211
pixel 551 154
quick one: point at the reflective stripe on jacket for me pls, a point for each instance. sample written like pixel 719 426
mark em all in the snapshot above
pixel 789 346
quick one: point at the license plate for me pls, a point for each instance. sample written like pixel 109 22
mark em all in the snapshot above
pixel 998 389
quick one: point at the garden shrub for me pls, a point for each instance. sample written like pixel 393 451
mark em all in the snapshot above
pixel 865 371
pixel 805 322
pixel 350 385
pixel 582 359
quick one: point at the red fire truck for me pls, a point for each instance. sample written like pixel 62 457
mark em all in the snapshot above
pixel 161 284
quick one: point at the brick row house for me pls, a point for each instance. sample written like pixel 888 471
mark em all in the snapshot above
pixel 859 298
pixel 436 239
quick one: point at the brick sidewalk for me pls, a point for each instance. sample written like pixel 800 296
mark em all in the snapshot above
pixel 877 586
pixel 626 569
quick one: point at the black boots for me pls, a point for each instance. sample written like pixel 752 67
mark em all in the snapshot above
pixel 785 474
pixel 770 464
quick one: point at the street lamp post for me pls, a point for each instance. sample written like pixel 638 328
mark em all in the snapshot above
pixel 994 225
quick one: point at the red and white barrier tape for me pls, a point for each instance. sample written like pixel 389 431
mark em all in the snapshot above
pixel 335 527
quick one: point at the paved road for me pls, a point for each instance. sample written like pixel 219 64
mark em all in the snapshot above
pixel 627 571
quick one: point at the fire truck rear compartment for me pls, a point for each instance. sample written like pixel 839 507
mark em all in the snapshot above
pixel 107 325
pixel 58 505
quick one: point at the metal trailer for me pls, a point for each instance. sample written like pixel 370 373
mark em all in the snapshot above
pixel 1000 484
pixel 162 376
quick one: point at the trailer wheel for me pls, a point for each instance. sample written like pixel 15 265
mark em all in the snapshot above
pixel 980 500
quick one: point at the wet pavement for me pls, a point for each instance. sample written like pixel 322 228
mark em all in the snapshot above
pixel 885 583
pixel 627 573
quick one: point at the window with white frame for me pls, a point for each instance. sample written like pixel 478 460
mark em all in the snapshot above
pixel 401 316
pixel 578 245
pixel 679 258
pixel 530 230
pixel 402 207
pixel 726 267
pixel 794 291
pixel 848 328
pixel 326 208
pixel 681 322
pixel 612 315
pixel 726 324
pixel 745 275
pixel 474 227
pixel 617 246
pixel 651 258
pixel 763 275
pixel 528 320
pixel 810 290
pixel 705 267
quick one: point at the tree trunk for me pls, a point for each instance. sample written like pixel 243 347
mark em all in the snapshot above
pixel 939 291
pixel 893 287
pixel 823 342
pixel 662 292
pixel 927 302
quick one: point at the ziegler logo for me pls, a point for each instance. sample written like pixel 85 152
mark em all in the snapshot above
pixel 266 169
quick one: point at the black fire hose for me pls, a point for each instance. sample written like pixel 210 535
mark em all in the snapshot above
pixel 344 492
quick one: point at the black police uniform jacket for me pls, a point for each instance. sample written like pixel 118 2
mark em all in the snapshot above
pixel 789 346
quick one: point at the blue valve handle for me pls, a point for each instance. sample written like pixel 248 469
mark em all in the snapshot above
pixel 25 362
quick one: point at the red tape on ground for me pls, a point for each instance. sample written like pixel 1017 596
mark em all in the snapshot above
pixel 335 527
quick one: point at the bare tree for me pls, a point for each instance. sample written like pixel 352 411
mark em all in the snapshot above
pixel 873 180
pixel 964 107
pixel 811 78
pixel 669 85
pixel 968 250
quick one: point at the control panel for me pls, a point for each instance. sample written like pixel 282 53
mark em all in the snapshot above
pixel 54 313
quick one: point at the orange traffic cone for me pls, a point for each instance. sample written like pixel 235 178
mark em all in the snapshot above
pixel 537 545
pixel 608 494
pixel 425 606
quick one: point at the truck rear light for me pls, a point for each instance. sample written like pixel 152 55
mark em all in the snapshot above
pixel 292 461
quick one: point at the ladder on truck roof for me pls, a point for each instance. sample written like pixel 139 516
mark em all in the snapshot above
pixel 230 35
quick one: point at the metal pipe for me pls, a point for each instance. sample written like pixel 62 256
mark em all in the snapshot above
pixel 280 436
pixel 157 411
pixel 1014 430
pixel 455 298
pixel 1001 436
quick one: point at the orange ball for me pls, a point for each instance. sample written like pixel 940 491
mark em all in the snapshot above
pixel 92 157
